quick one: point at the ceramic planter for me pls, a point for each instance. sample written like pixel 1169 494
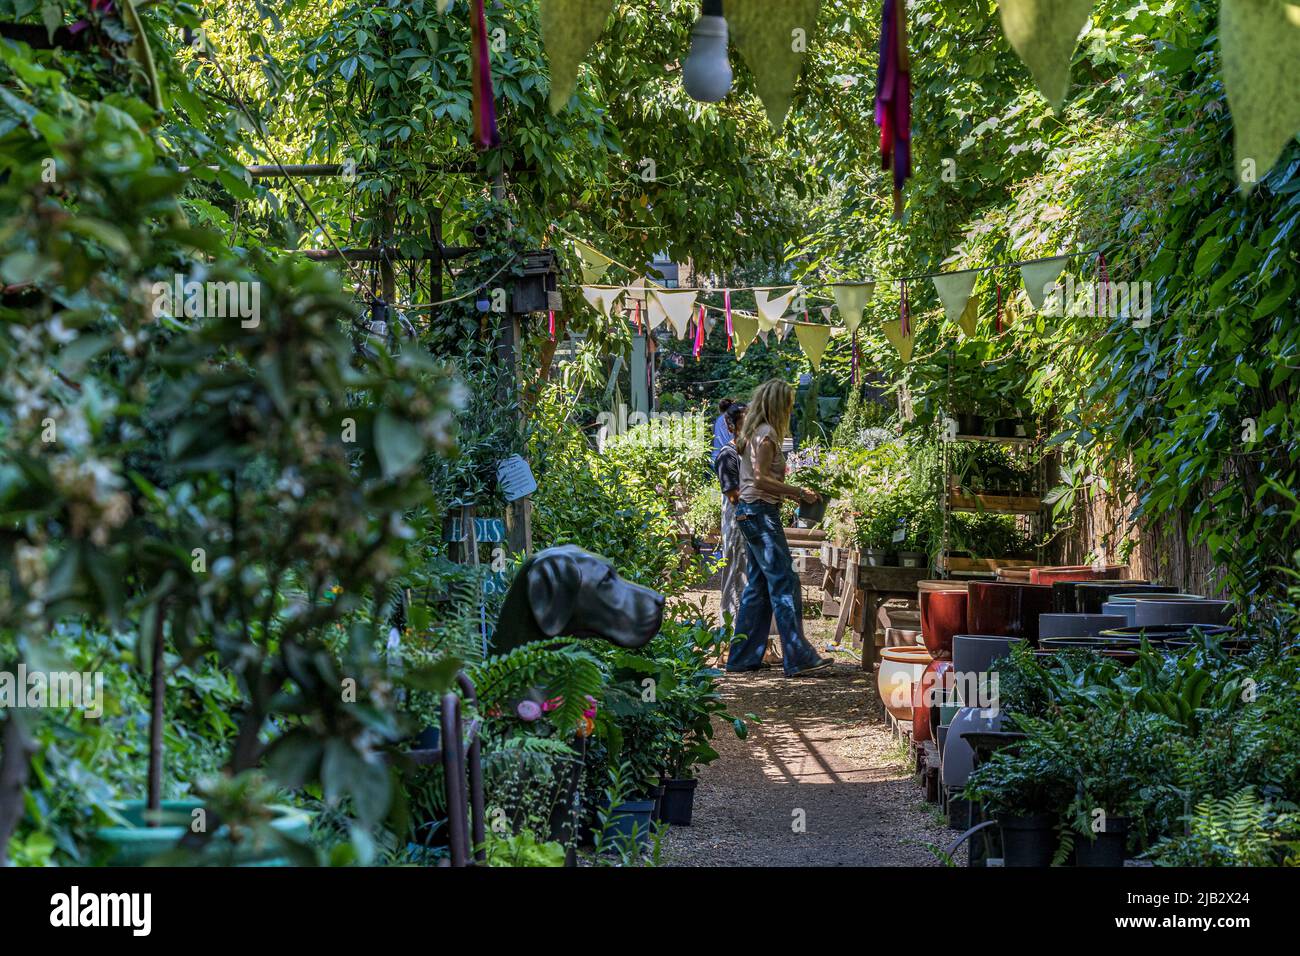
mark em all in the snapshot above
pixel 1091 643
pixel 1161 635
pixel 1076 625
pixel 928 693
pixel 901 637
pixel 1011 610
pixel 943 614
pixel 1050 575
pixel 135 844
pixel 678 801
pixel 900 668
pixel 973 655
pixel 1089 596
pixel 958 758
pixel 1154 612
pixel 1126 603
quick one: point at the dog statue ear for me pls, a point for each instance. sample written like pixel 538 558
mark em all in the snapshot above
pixel 553 582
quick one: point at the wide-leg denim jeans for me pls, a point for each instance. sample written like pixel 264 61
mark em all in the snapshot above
pixel 773 589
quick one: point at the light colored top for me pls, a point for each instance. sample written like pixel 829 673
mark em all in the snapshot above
pixel 749 462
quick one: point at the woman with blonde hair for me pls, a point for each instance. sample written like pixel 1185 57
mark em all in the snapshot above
pixel 773 588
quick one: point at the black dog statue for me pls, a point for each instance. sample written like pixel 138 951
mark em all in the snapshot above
pixel 569 591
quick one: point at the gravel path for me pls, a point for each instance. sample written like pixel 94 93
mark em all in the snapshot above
pixel 820 781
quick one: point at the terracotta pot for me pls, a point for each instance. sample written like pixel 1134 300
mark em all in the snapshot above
pixel 1076 573
pixel 943 614
pixel 1014 575
pixel 900 668
pixel 928 693
pixel 1076 625
pixel 1008 609
pixel 1154 612
pixel 1089 596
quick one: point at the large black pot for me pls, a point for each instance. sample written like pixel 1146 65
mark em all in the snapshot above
pixel 968 423
pixel 1087 597
pixel 1028 841
pixel 1105 849
pixel 678 802
pixel 812 512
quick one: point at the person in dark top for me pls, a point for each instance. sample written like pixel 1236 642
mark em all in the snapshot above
pixel 726 464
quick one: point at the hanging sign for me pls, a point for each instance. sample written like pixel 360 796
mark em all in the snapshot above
pixel 515 478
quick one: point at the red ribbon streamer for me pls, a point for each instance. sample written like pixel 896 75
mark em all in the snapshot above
pixel 550 324
pixel 699 334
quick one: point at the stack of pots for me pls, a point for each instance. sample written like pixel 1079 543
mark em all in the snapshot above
pixel 943 615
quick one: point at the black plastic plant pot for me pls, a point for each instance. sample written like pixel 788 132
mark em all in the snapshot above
pixel 812 512
pixel 911 559
pixel 1028 841
pixel 875 557
pixel 657 795
pixel 679 802
pixel 968 423
pixel 1005 427
pixel 1105 849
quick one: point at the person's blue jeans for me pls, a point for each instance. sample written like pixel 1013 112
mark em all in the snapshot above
pixel 773 588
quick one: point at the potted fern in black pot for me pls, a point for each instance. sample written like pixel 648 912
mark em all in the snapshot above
pixel 689 699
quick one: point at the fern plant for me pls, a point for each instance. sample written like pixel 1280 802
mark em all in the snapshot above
pixel 1237 830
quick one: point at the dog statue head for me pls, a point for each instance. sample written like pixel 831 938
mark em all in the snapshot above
pixel 569 591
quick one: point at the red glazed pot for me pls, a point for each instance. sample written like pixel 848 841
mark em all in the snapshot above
pixel 927 694
pixel 1010 610
pixel 943 614
pixel 1076 573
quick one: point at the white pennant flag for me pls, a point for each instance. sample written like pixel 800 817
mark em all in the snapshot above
pixel 771 308
pixel 678 307
pixel 602 298
pixel 654 312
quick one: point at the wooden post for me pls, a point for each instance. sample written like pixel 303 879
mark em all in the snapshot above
pixel 519 525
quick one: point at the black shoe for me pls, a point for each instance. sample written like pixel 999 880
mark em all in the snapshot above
pixel 823 664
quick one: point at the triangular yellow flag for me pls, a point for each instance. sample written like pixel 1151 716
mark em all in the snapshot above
pixel 743 328
pixel 655 313
pixel 954 290
pixel 773 37
pixel 969 319
pixel 812 339
pixel 569 28
pixel 893 330
pixel 772 307
pixel 602 298
pixel 594 262
pixel 1260 42
pixel 1044 34
pixel 678 306
pixel 851 298
pixel 1040 277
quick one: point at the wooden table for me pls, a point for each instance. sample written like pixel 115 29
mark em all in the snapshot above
pixel 878 584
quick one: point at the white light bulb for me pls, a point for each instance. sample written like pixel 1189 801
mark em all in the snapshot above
pixel 706 74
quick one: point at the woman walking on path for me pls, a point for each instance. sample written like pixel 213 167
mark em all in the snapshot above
pixel 735 559
pixel 773 587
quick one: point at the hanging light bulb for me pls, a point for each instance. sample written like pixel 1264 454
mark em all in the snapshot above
pixel 706 74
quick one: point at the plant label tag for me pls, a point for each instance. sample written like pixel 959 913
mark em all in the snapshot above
pixel 901 533
pixel 515 478
pixel 949 429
